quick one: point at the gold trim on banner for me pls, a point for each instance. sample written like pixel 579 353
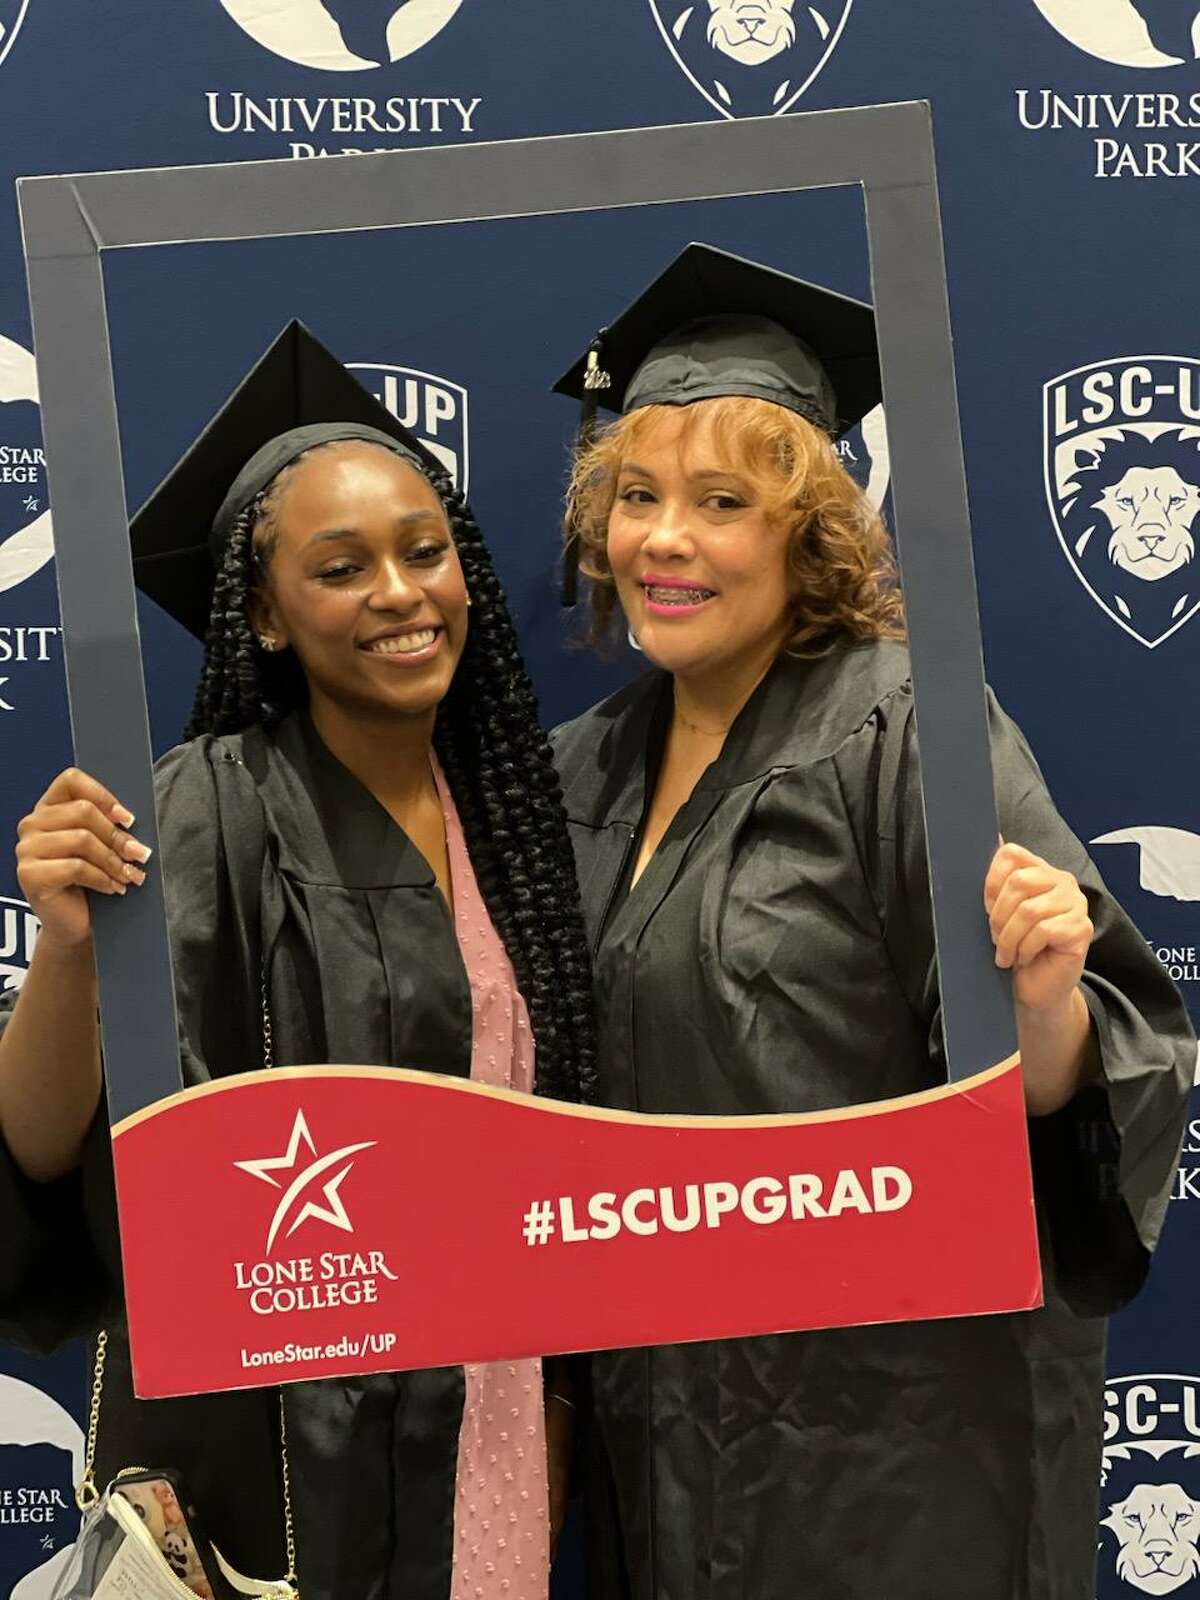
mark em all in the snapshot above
pixel 560 1108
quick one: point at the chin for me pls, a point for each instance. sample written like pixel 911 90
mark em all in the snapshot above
pixel 672 656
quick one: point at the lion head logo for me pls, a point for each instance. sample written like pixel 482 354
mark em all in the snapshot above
pixel 751 31
pixel 1151 511
pixel 1126 502
pixel 1156 1528
pixel 751 58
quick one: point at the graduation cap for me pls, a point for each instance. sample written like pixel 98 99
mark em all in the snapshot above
pixel 296 395
pixel 714 324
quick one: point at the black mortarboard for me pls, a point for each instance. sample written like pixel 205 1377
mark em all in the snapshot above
pixel 715 324
pixel 296 395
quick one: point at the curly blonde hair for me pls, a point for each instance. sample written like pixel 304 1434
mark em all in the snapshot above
pixel 839 553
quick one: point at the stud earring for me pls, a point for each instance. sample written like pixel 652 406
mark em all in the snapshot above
pixel 268 644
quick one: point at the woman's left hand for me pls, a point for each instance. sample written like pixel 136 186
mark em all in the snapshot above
pixel 1040 927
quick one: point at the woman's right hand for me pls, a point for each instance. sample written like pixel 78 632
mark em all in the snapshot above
pixel 75 838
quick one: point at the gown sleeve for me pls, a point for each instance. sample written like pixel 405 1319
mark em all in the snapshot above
pixel 59 1247
pixel 1104 1164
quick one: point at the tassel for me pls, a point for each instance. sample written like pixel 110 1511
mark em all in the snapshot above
pixel 595 382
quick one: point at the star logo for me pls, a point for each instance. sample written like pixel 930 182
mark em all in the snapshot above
pixel 330 1207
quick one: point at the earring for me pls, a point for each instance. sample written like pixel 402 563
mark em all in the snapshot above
pixel 468 602
pixel 268 644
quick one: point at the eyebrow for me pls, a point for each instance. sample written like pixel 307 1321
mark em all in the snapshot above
pixel 404 524
pixel 708 474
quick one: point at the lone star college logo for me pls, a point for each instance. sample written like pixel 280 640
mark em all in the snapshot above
pixel 342 35
pixel 331 1207
pixel 1168 859
pixel 12 15
pixel 26 538
pixel 751 58
pixel 1131 33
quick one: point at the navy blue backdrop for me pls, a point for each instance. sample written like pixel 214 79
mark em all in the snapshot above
pixel 1068 138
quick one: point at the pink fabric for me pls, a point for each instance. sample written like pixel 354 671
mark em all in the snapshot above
pixel 501 1516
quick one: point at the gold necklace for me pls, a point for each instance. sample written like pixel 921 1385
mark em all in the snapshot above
pixel 708 733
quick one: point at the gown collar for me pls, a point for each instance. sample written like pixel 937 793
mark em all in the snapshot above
pixel 336 832
pixel 801 712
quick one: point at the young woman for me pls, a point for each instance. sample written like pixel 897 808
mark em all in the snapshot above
pixel 364 852
pixel 748 830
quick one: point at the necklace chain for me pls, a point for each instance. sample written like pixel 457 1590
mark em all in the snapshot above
pixel 709 733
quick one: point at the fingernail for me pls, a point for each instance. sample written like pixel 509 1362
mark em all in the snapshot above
pixel 132 850
pixel 134 874
pixel 120 814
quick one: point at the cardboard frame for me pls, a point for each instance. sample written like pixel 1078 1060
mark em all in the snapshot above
pixel 69 221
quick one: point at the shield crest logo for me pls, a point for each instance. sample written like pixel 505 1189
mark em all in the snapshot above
pixel 433 408
pixel 751 58
pixel 1122 472
pixel 12 15
pixel 1149 1532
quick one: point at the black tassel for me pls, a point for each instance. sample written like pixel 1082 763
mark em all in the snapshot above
pixel 595 382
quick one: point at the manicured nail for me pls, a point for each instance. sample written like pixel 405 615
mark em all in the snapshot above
pixel 134 874
pixel 121 815
pixel 133 851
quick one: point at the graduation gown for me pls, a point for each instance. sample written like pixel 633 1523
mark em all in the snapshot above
pixel 777 955
pixel 276 860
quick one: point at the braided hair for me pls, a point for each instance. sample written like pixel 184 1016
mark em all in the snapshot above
pixel 495 756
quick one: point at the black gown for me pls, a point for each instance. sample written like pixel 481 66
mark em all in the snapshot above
pixel 363 968
pixel 777 955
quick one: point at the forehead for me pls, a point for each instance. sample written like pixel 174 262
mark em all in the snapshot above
pixel 350 480
pixel 674 435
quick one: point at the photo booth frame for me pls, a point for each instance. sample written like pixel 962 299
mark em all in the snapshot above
pixel 68 222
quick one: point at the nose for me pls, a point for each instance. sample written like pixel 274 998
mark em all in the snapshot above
pixel 668 532
pixel 394 590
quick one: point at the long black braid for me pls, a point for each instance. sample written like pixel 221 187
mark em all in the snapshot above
pixel 496 760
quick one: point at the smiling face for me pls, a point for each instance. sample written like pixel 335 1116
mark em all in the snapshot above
pixel 701 569
pixel 363 582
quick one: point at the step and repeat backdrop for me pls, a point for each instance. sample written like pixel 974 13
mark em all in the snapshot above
pixel 1069 147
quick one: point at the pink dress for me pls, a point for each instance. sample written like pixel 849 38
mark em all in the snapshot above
pixel 501 1516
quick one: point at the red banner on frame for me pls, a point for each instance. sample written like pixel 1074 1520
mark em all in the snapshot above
pixel 341 1220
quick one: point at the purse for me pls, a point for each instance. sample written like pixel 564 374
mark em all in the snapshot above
pixel 119 1555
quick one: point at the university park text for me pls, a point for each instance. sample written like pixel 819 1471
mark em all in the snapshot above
pixel 1099 113
pixel 234 112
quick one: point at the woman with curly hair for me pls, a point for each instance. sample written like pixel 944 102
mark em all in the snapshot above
pixel 748 830
pixel 366 862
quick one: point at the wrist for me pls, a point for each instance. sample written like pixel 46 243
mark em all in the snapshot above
pixel 1069 1011
pixel 54 950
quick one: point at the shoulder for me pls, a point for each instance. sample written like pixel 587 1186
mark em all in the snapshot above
pixel 195 762
pixel 606 719
pixel 834 705
pixel 203 787
pixel 605 742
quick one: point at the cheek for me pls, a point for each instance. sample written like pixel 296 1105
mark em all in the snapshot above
pixel 751 561
pixel 623 543
pixel 314 611
pixel 446 591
